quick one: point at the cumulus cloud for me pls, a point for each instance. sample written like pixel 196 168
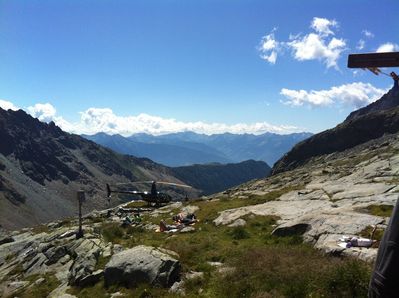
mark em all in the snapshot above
pixel 323 26
pixel 368 34
pixel 360 44
pixel 388 47
pixel 320 44
pixel 7 105
pixel 95 120
pixel 354 95
pixel 43 111
pixel 314 47
pixel 269 47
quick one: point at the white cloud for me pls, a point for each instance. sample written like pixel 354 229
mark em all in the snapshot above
pixel 360 44
pixel 95 120
pixel 388 47
pixel 269 48
pixel 318 45
pixel 323 26
pixel 368 34
pixel 43 111
pixel 7 105
pixel 355 95
pixel 315 47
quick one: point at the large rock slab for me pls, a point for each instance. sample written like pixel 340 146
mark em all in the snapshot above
pixel 87 252
pixel 142 264
pixel 362 190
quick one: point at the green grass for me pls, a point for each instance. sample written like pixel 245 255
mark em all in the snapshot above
pixel 380 210
pixel 297 271
pixel 41 229
pixel 41 290
pixel 266 265
pixel 368 230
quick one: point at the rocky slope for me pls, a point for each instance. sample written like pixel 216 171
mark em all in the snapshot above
pixel 42 167
pixel 361 126
pixel 330 196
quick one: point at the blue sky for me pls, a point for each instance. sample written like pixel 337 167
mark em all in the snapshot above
pixel 164 66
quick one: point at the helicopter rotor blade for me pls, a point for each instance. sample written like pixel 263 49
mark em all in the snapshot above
pixel 129 192
pixel 175 184
pixel 133 182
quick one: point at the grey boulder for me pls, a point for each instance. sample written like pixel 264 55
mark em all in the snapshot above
pixel 142 264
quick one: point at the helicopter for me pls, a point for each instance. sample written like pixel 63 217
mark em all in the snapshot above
pixel 151 197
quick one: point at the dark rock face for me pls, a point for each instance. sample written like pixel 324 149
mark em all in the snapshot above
pixel 361 126
pixel 142 264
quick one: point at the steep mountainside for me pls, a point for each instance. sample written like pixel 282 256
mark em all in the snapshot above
pixel 41 167
pixel 212 178
pixel 180 149
pixel 368 123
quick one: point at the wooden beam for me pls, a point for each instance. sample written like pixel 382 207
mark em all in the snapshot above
pixel 390 59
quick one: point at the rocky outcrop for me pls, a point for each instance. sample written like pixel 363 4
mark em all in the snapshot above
pixel 142 264
pixel 86 252
pixel 331 197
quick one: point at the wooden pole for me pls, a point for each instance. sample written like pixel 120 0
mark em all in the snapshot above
pixel 81 198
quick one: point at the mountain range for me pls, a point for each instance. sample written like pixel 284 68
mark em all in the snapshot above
pixel 42 167
pixel 186 148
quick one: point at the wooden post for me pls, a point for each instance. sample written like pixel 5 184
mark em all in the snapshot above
pixel 81 198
